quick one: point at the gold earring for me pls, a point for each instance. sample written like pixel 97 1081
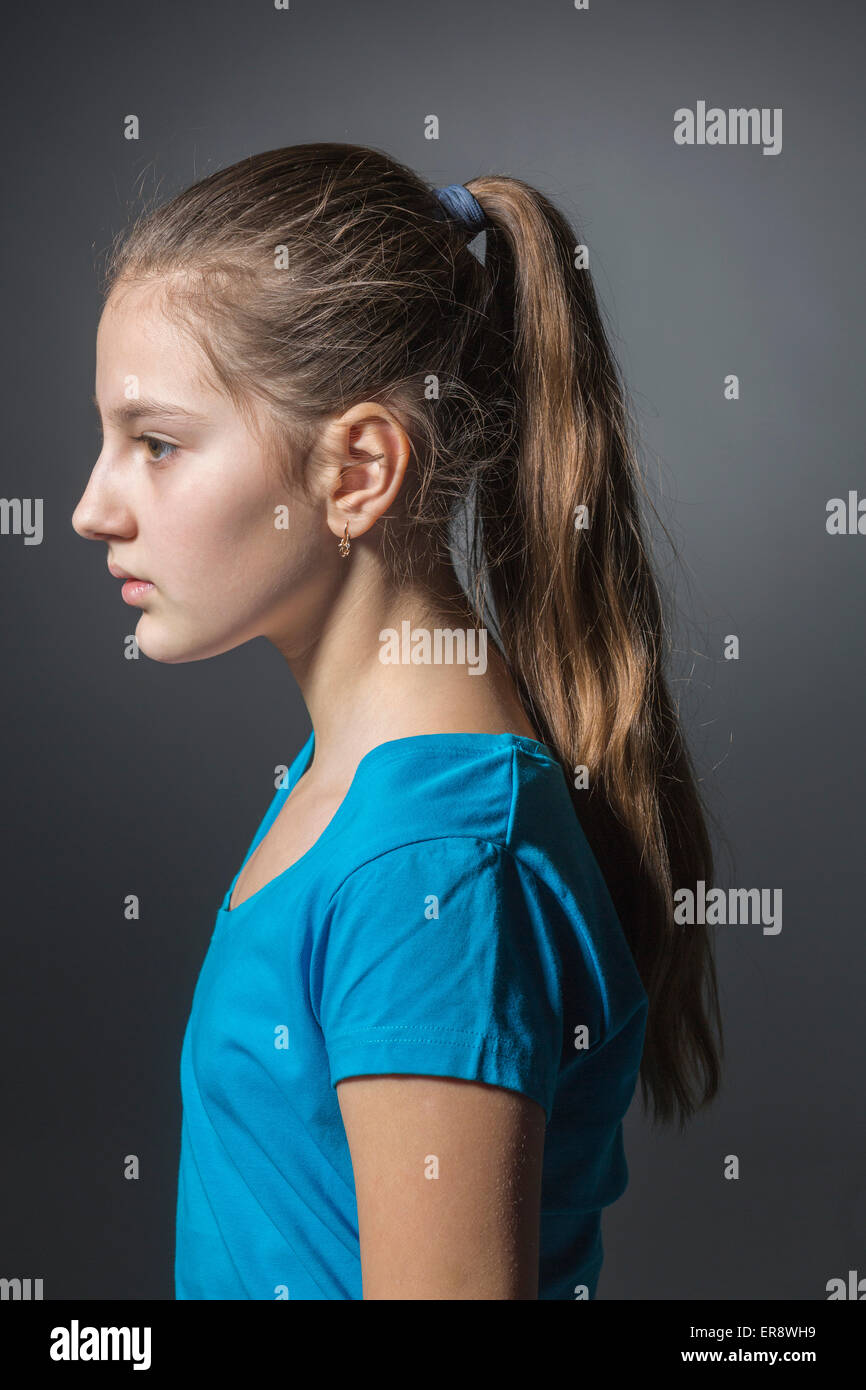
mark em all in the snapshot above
pixel 343 546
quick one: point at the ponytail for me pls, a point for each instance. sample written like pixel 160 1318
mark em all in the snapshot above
pixel 581 627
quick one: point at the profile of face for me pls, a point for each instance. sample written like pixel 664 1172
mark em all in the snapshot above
pixel 184 496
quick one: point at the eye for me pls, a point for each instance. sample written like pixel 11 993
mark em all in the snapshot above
pixel 148 439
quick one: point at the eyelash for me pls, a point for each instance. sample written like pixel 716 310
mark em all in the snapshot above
pixel 144 438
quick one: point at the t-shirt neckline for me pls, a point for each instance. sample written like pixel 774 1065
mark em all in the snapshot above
pixel 391 747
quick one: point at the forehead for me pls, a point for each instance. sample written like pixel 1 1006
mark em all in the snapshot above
pixel 135 319
pixel 137 339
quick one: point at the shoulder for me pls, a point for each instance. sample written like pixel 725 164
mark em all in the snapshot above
pixel 473 902
pixel 446 956
pixel 496 804
pixel 468 881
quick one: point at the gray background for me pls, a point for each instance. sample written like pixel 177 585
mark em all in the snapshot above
pixel 138 777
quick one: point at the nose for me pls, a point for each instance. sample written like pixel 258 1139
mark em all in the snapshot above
pixel 101 514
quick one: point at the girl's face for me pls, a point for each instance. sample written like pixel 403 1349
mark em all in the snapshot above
pixel 183 496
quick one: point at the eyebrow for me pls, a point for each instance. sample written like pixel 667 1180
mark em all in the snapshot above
pixel 144 407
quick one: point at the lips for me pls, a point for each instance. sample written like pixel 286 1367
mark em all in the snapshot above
pixel 124 574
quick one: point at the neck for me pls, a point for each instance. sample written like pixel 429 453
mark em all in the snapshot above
pixel 387 664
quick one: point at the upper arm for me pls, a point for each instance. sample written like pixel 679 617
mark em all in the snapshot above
pixel 448 1186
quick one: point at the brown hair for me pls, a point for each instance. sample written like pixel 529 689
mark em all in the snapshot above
pixel 515 408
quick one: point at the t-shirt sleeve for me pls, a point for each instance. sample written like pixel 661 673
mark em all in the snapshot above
pixel 440 958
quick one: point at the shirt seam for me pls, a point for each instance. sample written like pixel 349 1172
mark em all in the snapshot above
pixel 531 1075
pixel 430 1033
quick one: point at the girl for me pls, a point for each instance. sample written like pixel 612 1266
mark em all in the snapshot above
pixel 449 952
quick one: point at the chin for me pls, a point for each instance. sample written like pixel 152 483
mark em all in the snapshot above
pixel 170 651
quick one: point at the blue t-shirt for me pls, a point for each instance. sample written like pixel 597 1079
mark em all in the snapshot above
pixel 451 920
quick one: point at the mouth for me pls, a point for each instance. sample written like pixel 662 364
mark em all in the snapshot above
pixel 133 587
pixel 125 574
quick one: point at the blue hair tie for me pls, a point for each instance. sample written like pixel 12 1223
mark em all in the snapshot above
pixel 463 206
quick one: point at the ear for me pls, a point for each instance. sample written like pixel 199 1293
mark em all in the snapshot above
pixel 370 449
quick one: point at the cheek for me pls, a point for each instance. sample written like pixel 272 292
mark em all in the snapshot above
pixel 208 515
pixel 239 550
